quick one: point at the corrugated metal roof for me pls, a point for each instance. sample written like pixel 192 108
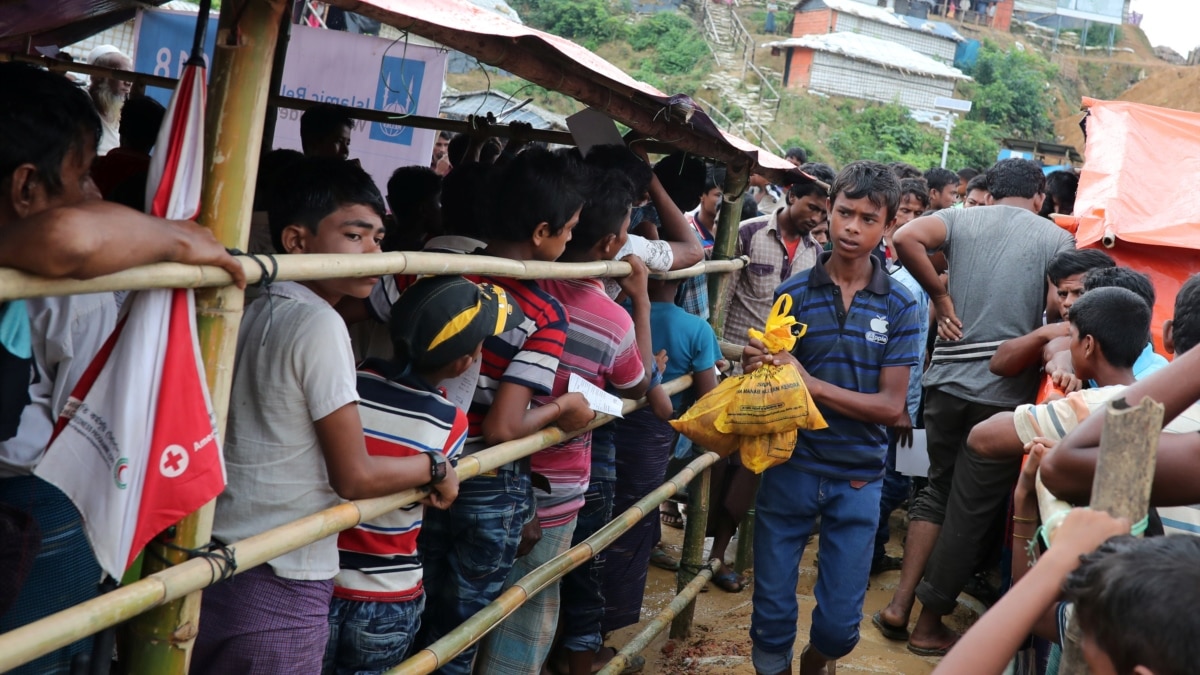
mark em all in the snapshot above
pixel 874 50
pixel 459 106
pixel 880 14
pixel 934 28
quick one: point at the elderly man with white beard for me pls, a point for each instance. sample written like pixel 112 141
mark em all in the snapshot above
pixel 109 94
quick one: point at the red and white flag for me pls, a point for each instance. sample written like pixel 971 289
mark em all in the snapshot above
pixel 136 449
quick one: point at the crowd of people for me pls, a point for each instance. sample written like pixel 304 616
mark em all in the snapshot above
pixel 932 300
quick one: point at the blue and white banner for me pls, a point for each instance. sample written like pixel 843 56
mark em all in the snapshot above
pixel 164 43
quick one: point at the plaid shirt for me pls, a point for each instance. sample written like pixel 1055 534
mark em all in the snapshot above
pixel 692 295
pixel 752 289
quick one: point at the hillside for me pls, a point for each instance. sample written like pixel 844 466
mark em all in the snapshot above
pixel 668 51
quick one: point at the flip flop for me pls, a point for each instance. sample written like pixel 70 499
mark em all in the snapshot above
pixel 663 560
pixel 671 519
pixel 930 651
pixel 896 633
pixel 729 582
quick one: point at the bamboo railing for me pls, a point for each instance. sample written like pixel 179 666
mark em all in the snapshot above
pixel 58 630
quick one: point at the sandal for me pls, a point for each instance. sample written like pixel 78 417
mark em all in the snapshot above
pixel 729 581
pixel 671 518
pixel 663 560
pixel 896 633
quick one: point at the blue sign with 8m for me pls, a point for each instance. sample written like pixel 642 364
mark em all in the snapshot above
pixel 164 43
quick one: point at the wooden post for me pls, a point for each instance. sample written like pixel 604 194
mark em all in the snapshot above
pixel 693 548
pixel 737 178
pixel 161 640
pixel 1124 475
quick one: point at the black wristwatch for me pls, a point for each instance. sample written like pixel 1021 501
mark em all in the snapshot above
pixel 437 467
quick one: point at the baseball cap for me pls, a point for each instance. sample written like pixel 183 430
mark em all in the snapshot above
pixel 440 319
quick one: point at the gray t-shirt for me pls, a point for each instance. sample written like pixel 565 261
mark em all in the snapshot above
pixel 997 257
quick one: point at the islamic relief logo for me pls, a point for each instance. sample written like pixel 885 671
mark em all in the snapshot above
pixel 398 92
pixel 879 329
pixel 119 473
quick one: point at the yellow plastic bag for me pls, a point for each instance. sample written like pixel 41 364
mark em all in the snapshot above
pixel 760 453
pixel 772 399
pixel 699 422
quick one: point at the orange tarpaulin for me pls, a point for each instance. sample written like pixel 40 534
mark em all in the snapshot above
pixel 1139 194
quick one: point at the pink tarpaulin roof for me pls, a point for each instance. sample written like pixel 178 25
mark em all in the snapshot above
pixel 559 64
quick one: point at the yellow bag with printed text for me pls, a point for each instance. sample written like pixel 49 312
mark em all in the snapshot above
pixel 699 422
pixel 772 399
pixel 760 453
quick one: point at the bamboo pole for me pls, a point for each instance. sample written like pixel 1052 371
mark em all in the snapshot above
pixel 482 622
pixel 725 246
pixel 58 630
pixel 14 284
pixel 161 640
pixel 658 624
pixel 693 548
pixel 1124 476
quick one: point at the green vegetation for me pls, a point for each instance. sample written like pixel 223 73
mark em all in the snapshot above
pixel 678 46
pixel 887 133
pixel 590 21
pixel 1011 92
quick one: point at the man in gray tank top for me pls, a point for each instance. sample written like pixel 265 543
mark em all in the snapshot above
pixel 996 291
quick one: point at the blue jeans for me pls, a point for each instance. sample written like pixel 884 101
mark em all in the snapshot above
pixel 582 598
pixel 788 503
pixel 370 637
pixel 896 487
pixel 467 552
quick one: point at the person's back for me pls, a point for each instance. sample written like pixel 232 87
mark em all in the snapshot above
pixel 995 256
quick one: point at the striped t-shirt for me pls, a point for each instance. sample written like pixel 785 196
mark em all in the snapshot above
pixel 601 349
pixel 848 350
pixel 401 417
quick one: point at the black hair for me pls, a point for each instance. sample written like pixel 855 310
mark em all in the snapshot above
pixel 977 183
pixel 321 121
pixel 1121 277
pixel 938 178
pixel 272 168
pixel 141 117
pixel 621 158
pixel 412 196
pixel 1119 320
pixel 315 187
pixel 609 198
pixel 822 172
pixel 1061 187
pixel 1187 315
pixel 538 186
pixel 1074 261
pixel 1134 599
pixel 43 118
pixel 1015 178
pixel 456 152
pixel 682 176
pixel 714 178
pixel 918 188
pixel 872 180
pixel 967 173
pixel 799 154
pixel 905 170
pixel 467 194
pixel 749 208
pixel 445 135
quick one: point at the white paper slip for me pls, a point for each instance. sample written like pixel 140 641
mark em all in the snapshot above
pixel 598 400
pixel 590 127
pixel 914 461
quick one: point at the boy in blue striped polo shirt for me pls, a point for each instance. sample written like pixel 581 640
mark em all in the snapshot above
pixel 862 339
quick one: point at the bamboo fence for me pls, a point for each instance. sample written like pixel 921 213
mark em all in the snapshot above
pixel 58 630
pixel 14 284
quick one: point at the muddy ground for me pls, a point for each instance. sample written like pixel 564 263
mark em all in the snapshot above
pixel 720 640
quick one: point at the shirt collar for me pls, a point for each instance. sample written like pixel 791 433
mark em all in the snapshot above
pixel 879 284
pixel 294 290
pixel 397 373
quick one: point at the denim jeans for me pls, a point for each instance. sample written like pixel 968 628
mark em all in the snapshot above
pixel 896 487
pixel 370 637
pixel 788 502
pixel 582 598
pixel 467 552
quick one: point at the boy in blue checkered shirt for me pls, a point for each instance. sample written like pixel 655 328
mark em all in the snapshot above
pixel 862 341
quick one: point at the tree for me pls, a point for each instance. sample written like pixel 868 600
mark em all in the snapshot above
pixel 1011 91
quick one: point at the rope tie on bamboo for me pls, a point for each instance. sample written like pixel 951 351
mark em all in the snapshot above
pixel 1042 534
pixel 221 560
pixel 264 282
